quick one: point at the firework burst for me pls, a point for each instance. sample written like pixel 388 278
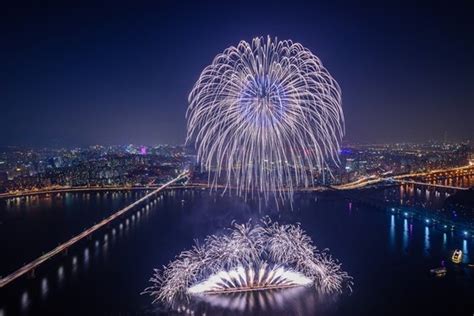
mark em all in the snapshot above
pixel 266 117
pixel 249 257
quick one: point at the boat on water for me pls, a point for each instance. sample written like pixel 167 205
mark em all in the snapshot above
pixel 471 265
pixel 457 256
pixel 441 271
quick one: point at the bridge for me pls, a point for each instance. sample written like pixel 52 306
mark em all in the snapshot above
pixel 30 267
pixel 454 172
pixel 431 185
pixel 406 178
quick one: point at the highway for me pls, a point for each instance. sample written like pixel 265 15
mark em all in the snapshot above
pixel 92 189
pixel 64 246
pixel 359 183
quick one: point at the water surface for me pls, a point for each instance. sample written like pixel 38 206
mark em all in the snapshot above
pixel 388 254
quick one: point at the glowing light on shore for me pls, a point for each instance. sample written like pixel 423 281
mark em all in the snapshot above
pixel 266 117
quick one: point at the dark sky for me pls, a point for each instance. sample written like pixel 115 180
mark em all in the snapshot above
pixel 113 74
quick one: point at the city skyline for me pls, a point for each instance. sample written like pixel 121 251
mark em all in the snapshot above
pixel 71 80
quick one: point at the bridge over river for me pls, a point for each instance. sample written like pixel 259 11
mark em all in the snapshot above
pixel 30 267
pixel 413 178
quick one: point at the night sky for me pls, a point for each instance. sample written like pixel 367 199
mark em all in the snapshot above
pixel 117 74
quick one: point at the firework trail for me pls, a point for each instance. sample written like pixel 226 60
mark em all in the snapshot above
pixel 266 117
pixel 250 257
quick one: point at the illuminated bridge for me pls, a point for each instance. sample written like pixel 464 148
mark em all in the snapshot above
pixel 434 185
pixel 440 173
pixel 30 267
pixel 421 178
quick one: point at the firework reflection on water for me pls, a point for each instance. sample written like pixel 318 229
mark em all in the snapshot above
pixel 290 301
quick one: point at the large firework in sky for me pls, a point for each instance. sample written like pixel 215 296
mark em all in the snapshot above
pixel 249 257
pixel 266 117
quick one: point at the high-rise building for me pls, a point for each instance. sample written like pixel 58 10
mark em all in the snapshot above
pixel 350 164
pixel 471 158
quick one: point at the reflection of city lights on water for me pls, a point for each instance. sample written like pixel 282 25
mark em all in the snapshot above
pixel 74 265
pixel 465 250
pixel 392 230
pixel 427 240
pixel 60 274
pixel 44 287
pixel 86 257
pixel 25 301
pixel 405 234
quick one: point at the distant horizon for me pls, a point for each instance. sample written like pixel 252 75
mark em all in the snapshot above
pixel 344 144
